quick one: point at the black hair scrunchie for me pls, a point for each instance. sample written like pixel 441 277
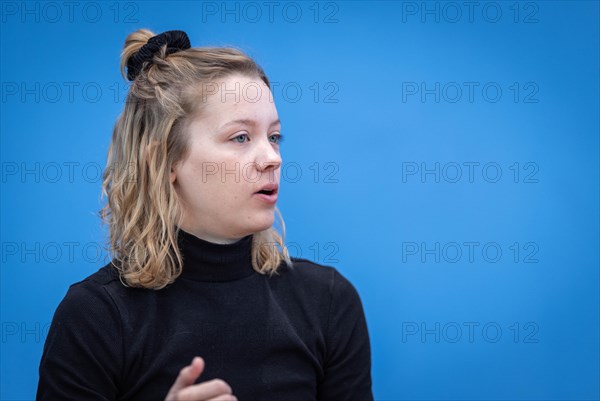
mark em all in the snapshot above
pixel 175 41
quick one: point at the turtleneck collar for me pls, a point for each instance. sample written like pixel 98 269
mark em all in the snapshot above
pixel 208 261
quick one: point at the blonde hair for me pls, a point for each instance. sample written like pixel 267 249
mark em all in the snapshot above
pixel 143 212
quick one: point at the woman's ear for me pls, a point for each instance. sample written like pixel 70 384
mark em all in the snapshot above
pixel 172 176
pixel 151 148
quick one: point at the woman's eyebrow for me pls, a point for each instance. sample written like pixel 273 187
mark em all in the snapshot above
pixel 246 121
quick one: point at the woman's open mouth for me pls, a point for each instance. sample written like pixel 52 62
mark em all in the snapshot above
pixel 268 193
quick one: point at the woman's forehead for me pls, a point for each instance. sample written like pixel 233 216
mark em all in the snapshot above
pixel 252 103
pixel 237 89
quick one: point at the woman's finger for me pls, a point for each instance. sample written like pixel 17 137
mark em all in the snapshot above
pixel 186 377
pixel 209 390
pixel 226 397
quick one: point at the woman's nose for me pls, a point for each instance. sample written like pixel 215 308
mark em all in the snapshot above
pixel 268 156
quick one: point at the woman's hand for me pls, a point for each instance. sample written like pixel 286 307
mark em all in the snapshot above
pixel 184 388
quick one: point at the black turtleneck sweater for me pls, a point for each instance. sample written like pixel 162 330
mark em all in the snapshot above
pixel 299 336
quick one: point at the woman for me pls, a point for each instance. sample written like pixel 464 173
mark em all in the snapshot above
pixel 199 274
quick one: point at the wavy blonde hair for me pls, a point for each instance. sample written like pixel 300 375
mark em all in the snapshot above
pixel 143 212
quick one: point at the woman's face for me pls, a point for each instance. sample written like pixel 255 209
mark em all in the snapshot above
pixel 233 152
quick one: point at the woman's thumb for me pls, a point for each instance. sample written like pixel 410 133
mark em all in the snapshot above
pixel 188 375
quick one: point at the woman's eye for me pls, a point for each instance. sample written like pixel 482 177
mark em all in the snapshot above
pixel 278 138
pixel 238 137
pixel 275 138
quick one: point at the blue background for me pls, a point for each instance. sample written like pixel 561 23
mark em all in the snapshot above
pixel 369 185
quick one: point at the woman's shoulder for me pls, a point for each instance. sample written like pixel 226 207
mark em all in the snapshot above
pixel 319 276
pixel 107 275
pixel 88 299
pixel 98 289
pixel 308 270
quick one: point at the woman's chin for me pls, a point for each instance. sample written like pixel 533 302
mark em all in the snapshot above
pixel 263 222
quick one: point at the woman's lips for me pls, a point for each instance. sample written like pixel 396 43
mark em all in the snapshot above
pixel 269 198
pixel 268 193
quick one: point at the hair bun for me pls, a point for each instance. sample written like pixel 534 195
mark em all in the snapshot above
pixel 175 41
